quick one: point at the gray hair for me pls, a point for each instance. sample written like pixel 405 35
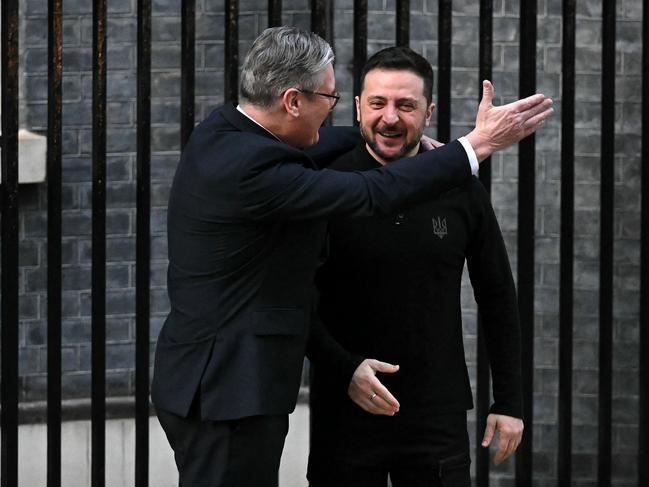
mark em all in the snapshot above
pixel 282 58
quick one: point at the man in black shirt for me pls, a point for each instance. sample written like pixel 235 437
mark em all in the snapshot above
pixel 391 289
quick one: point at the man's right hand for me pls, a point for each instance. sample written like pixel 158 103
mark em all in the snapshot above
pixel 368 392
pixel 499 127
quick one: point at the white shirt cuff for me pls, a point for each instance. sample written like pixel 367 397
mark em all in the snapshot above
pixel 473 159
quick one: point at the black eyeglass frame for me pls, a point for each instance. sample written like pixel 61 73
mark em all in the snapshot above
pixel 335 95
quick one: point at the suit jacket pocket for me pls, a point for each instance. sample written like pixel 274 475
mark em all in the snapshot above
pixel 278 321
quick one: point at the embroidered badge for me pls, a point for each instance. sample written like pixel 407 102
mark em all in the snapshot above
pixel 439 227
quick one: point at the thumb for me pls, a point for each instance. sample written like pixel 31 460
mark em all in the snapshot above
pixel 489 431
pixel 384 367
pixel 487 92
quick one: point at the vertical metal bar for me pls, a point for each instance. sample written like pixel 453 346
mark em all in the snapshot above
pixel 564 452
pixel 54 208
pixel 319 17
pixel 274 13
pixel 483 376
pixel 9 234
pixel 360 47
pixel 606 245
pixel 403 22
pixel 143 238
pixel 444 70
pixel 526 211
pixel 321 24
pixel 643 422
pixel 98 304
pixel 187 68
pixel 232 50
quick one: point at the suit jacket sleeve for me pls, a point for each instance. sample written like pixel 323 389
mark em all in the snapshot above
pixel 495 293
pixel 280 186
pixel 334 142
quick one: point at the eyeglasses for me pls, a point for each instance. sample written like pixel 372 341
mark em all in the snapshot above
pixel 333 97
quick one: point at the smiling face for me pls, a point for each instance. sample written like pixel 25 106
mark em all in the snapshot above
pixel 392 111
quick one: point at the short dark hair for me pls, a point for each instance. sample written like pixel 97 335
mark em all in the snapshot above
pixel 401 58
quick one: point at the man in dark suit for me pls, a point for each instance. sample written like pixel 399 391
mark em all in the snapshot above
pixel 246 228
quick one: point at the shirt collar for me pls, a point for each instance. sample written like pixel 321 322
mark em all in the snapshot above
pixel 240 109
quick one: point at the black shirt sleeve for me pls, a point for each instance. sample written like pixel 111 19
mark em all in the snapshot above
pixel 328 354
pixel 495 293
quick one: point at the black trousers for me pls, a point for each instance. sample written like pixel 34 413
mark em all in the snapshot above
pixel 361 450
pixel 236 453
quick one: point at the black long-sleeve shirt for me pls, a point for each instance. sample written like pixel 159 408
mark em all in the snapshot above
pixel 390 290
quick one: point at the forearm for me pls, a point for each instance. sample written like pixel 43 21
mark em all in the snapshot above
pixel 325 351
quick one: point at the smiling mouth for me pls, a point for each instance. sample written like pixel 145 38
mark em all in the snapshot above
pixel 390 135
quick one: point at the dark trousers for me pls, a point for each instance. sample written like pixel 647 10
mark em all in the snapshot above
pixel 235 453
pixel 362 450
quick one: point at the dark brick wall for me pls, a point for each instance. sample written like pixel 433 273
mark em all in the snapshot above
pixel 77 119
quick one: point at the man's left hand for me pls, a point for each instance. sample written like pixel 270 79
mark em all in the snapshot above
pixel 510 433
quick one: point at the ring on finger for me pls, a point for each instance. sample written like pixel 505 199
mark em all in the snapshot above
pixel 373 395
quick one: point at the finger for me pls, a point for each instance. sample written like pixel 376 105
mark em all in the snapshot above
pixel 544 107
pixel 427 143
pixel 526 103
pixel 362 400
pixel 384 367
pixel 487 93
pixel 511 448
pixel 501 453
pixel 436 143
pixel 381 406
pixel 532 123
pixel 385 394
pixel 489 432
pixel 372 404
pixel 430 143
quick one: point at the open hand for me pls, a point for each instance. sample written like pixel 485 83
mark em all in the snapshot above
pixel 499 127
pixel 366 390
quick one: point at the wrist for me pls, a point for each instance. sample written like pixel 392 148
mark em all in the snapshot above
pixel 480 144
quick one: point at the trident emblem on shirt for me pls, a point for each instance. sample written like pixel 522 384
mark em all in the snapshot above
pixel 439 227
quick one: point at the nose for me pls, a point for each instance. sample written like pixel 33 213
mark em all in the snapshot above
pixel 390 115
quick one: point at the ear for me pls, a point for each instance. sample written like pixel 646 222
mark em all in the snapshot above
pixel 429 113
pixel 357 99
pixel 291 102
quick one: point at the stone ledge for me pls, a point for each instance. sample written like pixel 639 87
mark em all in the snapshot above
pixel 32 157
pixel 80 409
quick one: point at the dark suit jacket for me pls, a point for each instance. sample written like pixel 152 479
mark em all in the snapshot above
pixel 246 227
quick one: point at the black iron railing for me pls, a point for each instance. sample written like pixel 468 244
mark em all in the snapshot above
pixel 321 22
